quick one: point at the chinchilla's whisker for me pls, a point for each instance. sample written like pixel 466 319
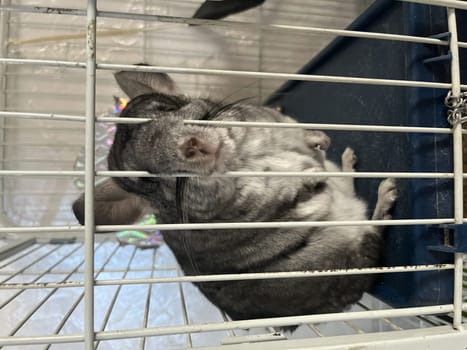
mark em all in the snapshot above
pixel 220 108
pixel 210 114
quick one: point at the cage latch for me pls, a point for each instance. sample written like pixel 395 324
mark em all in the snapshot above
pixel 457 106
pixel 453 239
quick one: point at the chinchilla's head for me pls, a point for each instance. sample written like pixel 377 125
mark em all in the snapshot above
pixel 166 144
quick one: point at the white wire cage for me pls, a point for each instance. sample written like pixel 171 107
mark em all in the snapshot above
pixel 102 295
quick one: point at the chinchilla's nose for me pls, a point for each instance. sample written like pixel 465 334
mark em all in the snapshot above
pixel 195 149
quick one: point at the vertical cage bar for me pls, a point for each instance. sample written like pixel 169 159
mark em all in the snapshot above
pixel 4 38
pixel 458 166
pixel 89 226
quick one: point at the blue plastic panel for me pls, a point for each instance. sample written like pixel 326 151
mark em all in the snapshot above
pixel 386 105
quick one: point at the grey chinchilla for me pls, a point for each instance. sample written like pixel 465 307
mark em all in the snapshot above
pixel 167 145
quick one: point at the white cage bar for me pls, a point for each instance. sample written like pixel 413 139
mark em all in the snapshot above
pixel 91 25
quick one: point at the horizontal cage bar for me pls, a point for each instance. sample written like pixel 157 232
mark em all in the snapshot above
pixel 234 73
pixel 233 277
pixel 229 23
pixel 231 325
pixel 229 174
pixel 339 127
pixel 230 225
pixel 234 174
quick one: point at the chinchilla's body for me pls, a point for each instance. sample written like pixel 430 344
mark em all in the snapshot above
pixel 167 145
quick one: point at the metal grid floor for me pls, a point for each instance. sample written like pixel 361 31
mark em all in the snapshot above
pixel 29 312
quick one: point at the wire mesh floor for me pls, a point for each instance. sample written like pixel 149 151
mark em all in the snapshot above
pixel 60 310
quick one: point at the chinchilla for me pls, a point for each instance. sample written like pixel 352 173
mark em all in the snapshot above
pixel 167 145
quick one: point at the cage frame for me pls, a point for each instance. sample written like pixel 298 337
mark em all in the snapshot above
pixel 454 336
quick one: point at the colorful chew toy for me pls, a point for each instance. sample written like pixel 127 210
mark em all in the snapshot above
pixel 142 239
pixel 120 104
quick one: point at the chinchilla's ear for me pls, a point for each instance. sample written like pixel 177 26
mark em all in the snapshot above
pixel 139 83
pixel 112 206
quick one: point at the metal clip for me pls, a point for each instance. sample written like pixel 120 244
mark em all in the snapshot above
pixel 457 105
